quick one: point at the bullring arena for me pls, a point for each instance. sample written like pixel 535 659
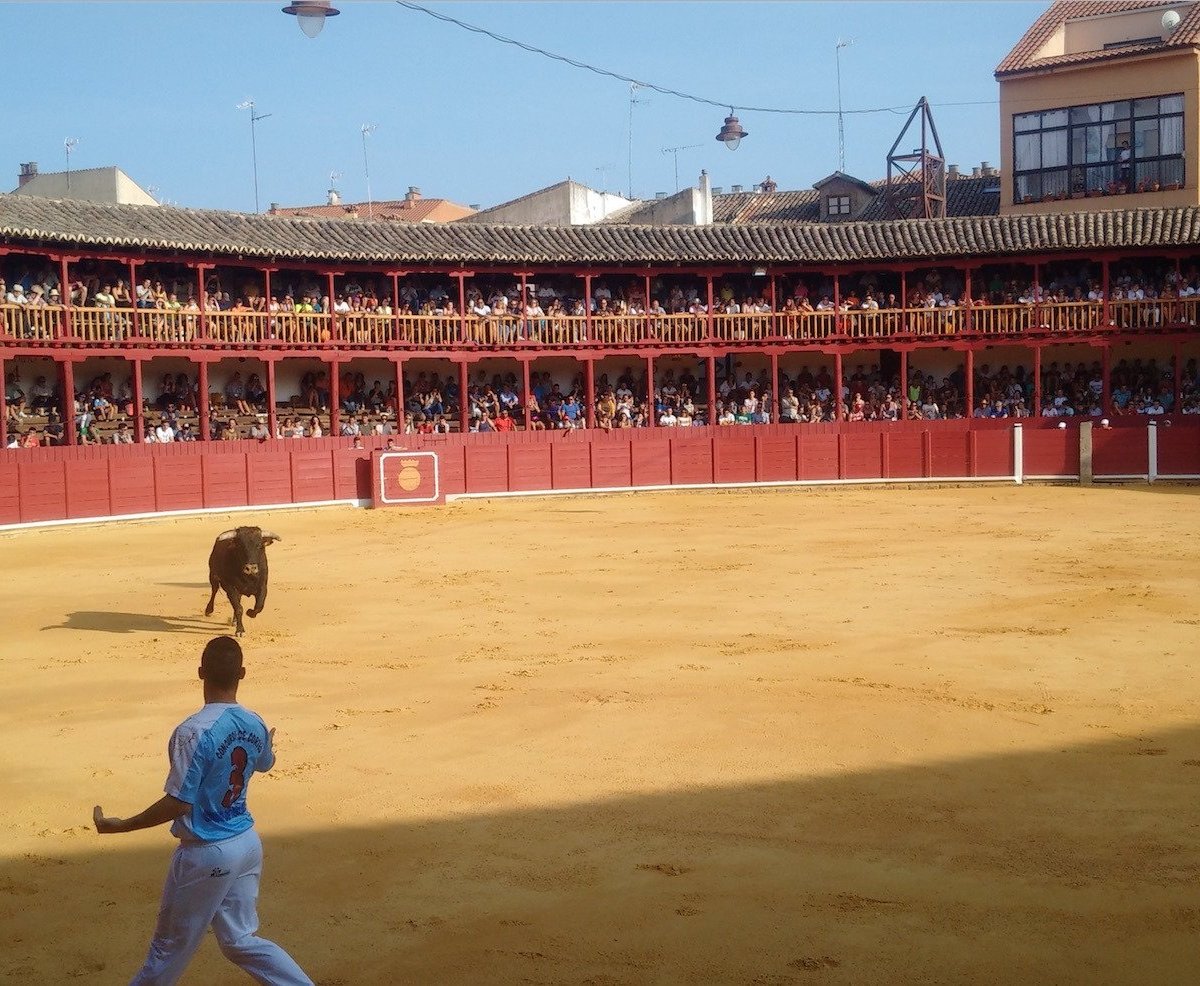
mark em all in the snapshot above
pixel 855 735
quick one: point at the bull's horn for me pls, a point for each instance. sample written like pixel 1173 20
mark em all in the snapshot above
pixel 270 536
pixel 227 535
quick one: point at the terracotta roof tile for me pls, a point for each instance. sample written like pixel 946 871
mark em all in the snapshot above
pixel 1023 56
pixel 417 211
pixel 162 230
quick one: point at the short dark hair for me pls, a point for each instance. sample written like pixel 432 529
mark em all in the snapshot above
pixel 221 662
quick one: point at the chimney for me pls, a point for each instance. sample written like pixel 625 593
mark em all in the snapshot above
pixel 769 185
pixel 703 211
pixel 735 188
pixel 660 195
pixel 975 173
pixel 985 169
pixel 274 208
pixel 718 190
pixel 29 171
pixel 351 211
pixel 414 193
pixel 952 172
pixel 474 206
pixel 334 197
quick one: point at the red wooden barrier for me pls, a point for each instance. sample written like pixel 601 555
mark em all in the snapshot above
pixel 81 482
pixel 1178 451
pixel 1120 452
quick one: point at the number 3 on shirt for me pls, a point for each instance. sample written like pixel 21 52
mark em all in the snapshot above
pixel 237 776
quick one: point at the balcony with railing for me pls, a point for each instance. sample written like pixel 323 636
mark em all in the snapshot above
pixel 149 329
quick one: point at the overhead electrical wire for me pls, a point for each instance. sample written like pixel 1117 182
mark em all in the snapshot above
pixel 719 103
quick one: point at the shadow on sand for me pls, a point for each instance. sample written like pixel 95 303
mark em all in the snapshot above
pixel 134 623
pixel 1077 865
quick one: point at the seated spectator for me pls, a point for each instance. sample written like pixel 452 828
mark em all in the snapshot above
pixel 235 394
pixel 256 394
pixel 314 427
pixel 185 433
pixel 164 433
pixel 259 430
pixel 122 436
pixel 505 423
pixel 32 439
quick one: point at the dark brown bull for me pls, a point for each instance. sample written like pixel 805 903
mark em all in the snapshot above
pixel 238 564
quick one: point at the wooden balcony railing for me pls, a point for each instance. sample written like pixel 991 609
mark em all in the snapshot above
pixel 27 324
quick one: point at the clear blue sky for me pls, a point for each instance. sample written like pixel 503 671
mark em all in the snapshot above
pixel 152 88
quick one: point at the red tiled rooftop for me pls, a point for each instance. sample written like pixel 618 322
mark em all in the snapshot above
pixel 1023 56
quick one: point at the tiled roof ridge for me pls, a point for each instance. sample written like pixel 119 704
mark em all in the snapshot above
pixel 1022 57
pixel 29 220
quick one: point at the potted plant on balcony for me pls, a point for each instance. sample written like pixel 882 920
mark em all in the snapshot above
pixel 1172 186
pixel 1142 185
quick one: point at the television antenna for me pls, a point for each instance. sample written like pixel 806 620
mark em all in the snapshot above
pixel 675 151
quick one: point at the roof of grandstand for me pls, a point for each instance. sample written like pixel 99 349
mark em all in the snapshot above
pixel 58 223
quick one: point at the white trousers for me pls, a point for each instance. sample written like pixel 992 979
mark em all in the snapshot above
pixel 215 884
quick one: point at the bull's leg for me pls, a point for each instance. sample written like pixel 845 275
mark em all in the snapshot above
pixel 212 580
pixel 259 601
pixel 235 600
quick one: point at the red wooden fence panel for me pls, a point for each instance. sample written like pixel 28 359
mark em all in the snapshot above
pixel 178 482
pixel 1120 452
pixel 487 469
pixel 269 477
pixel 734 458
pixel 776 458
pixel 611 464
pixel 905 455
pixel 10 494
pixel 650 461
pixel 529 467
pixel 692 459
pixel 949 454
pixel 817 453
pixel 1178 451
pixel 1051 452
pixel 42 491
pixel 993 452
pixel 87 488
pixel 859 455
pixel 131 485
pixel 571 464
pixel 312 476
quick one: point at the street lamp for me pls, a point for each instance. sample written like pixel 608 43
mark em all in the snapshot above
pixel 367 130
pixel 731 133
pixel 248 104
pixel 311 14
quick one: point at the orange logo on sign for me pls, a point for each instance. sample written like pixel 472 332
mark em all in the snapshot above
pixel 409 477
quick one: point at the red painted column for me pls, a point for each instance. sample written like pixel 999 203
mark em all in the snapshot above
pixel 268 332
pixel 202 301
pixel 838 322
pixel 837 386
pixel 204 410
pixel 463 404
pixel 1037 306
pixel 524 323
pixel 525 394
pixel 904 312
pixel 774 333
pixel 1106 394
pixel 64 295
pixel 68 402
pixel 712 390
pixel 396 323
pixel 462 306
pixel 137 315
pixel 589 367
pixel 968 314
pixel 712 331
pixel 139 414
pixel 646 329
pixel 775 405
pixel 399 368
pixel 333 320
pixel 1037 382
pixel 1106 311
pixel 651 422
pixel 335 397
pixel 272 398
pixel 970 383
pixel 4 407
pixel 1178 349
pixel 587 306
pixel 903 381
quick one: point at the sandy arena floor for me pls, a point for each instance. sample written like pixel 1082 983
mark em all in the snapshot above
pixel 840 736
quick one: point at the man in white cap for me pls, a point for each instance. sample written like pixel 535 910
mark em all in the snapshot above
pixel 16 296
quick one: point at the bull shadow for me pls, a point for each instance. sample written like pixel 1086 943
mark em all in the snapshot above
pixel 1075 865
pixel 110 622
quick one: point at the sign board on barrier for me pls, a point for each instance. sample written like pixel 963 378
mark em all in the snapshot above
pixel 406 478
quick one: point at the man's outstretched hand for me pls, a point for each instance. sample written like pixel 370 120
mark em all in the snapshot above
pixel 105 825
